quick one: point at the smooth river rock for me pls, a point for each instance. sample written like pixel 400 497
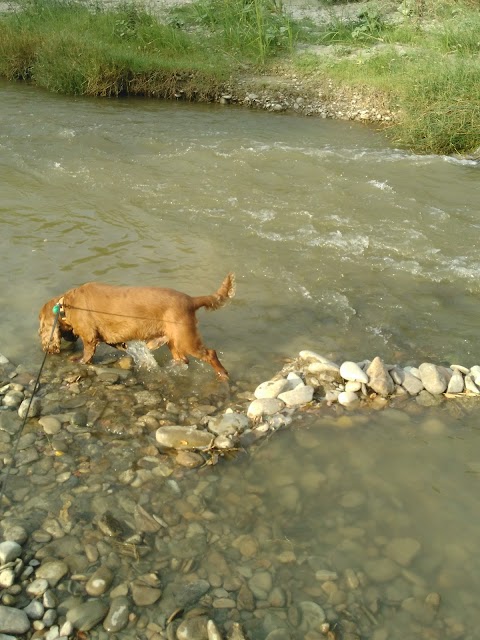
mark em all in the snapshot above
pixel 271 388
pixel 435 379
pixel 87 615
pixel 351 371
pixel 178 437
pixel 264 407
pixel 9 551
pixel 302 394
pixel 13 621
pixel 117 616
pixel 380 380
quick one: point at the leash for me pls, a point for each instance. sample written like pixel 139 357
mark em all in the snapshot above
pixel 56 311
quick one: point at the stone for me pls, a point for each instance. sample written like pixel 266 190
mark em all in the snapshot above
pixel 426 399
pixel 191 593
pixel 87 615
pixel 100 580
pixel 352 499
pixel 246 544
pixel 144 521
pixel 9 551
pixel 14 532
pixel 178 437
pixel 228 423
pixel 52 571
pixel 37 588
pixel 434 378
pixel 13 621
pixel 353 386
pixel 35 610
pixel 13 399
pixel 51 425
pixel 412 384
pixel 470 385
pixel 117 616
pixel 270 388
pixel 381 569
pixel 312 616
pixel 325 372
pixel 144 595
pixel 260 584
pixel 380 380
pixel 312 355
pixel 7 578
pixel 402 550
pixel 297 397
pixel 264 407
pixel 456 384
pixel 34 407
pixel 9 422
pixel 212 631
pixel 351 371
pixel 347 398
pixel 193 629
pixel 460 368
pixel 191 460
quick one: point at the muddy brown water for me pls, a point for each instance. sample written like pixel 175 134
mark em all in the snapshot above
pixel 341 244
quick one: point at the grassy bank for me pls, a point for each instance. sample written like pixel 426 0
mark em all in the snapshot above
pixel 74 48
pixel 423 60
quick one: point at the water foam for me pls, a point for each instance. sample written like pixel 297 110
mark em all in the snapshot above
pixel 142 355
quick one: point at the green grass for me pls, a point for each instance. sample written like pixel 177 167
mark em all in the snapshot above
pixel 67 47
pixel 429 72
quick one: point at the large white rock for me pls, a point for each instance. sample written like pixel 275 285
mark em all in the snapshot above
pixel 312 355
pixel 264 407
pixel 435 379
pixel 271 388
pixel 351 371
pixel 456 384
pixel 347 398
pixel 298 396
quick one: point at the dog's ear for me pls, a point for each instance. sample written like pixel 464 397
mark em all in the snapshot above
pixel 49 337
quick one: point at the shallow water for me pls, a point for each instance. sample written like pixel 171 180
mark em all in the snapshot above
pixel 341 244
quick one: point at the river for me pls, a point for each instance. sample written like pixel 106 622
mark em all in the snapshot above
pixel 340 243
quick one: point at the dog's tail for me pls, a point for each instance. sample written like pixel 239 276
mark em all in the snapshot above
pixel 217 300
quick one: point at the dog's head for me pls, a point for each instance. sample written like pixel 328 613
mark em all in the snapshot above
pixel 53 328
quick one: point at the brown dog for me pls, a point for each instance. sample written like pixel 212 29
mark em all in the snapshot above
pixel 98 312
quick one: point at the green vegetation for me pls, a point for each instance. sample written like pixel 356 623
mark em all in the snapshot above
pixel 69 47
pixel 422 59
pixel 425 63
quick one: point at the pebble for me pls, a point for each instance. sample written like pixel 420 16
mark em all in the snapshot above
pixel 381 569
pixel 264 407
pixel 456 384
pixel 100 581
pixel 300 395
pixel 402 550
pixel 348 398
pixel 9 551
pixel 312 616
pixel 52 571
pixel 87 615
pixel 351 371
pixel 179 437
pixel 270 388
pixel 434 378
pixel 379 378
pixel 117 616
pixel 37 588
pixel 13 621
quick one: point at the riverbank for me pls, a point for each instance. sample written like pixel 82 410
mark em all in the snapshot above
pixel 84 551
pixel 412 69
